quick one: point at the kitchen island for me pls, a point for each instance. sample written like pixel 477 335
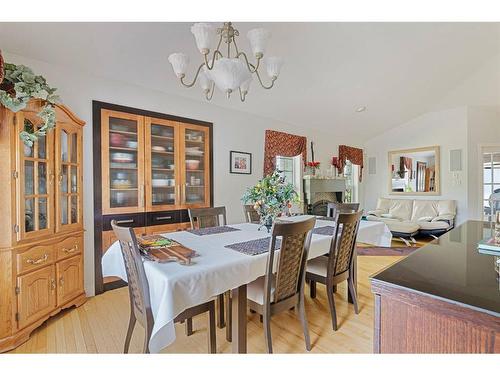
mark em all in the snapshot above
pixel 443 298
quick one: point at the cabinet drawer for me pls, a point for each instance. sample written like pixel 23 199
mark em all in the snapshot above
pixel 69 247
pixel 124 220
pixel 34 258
pixel 162 218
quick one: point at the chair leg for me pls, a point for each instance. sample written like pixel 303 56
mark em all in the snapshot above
pixel 130 330
pixel 303 320
pixel 212 340
pixel 220 311
pixel 331 302
pixel 312 289
pixel 352 292
pixel 189 326
pixel 229 318
pixel 267 331
pixel 145 350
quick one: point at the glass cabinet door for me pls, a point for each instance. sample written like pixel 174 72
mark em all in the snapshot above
pixel 69 178
pixel 122 161
pixel 162 184
pixel 35 177
pixel 195 166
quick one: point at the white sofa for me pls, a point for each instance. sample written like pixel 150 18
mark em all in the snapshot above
pixel 406 218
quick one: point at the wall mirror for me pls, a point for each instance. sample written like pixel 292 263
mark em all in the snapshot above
pixel 414 171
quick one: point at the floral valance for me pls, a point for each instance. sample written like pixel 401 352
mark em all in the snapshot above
pixel 354 155
pixel 282 144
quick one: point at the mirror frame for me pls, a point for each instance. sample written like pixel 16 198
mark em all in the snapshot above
pixel 437 169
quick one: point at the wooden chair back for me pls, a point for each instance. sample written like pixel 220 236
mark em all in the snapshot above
pixel 138 286
pixel 340 208
pixel 207 217
pixel 251 214
pixel 343 243
pixel 290 275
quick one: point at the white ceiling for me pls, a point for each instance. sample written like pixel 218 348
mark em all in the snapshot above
pixel 396 70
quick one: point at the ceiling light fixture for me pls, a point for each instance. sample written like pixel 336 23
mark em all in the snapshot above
pixel 229 72
pixel 361 109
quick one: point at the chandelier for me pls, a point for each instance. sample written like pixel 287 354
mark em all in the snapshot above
pixel 230 72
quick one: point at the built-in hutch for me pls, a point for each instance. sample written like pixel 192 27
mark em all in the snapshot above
pixel 149 168
pixel 41 247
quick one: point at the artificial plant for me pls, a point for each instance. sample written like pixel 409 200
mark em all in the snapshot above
pixel 18 87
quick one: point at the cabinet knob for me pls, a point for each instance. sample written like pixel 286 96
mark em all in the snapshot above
pixel 61 281
pixel 52 284
pixel 39 260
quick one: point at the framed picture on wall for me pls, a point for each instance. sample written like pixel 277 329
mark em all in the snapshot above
pixel 240 162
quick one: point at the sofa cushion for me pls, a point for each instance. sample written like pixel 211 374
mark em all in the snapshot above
pixel 447 207
pixel 425 225
pixel 401 209
pixel 406 227
pixel 382 219
pixel 383 205
pixel 424 208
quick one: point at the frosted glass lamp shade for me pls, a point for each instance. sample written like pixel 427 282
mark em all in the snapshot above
pixel 229 74
pixel 258 40
pixel 203 34
pixel 180 62
pixel 246 85
pixel 205 81
pixel 273 66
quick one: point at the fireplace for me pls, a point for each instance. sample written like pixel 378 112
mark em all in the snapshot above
pixel 318 192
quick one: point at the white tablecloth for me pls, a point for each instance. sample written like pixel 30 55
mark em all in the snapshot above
pixel 174 287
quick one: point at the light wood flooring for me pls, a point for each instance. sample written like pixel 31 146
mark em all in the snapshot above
pixel 99 326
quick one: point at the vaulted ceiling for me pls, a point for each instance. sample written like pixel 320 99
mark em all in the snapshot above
pixel 396 70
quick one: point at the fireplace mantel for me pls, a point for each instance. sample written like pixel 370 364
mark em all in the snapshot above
pixel 313 185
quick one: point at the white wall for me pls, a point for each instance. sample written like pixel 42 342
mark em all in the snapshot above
pixel 447 129
pixel 233 130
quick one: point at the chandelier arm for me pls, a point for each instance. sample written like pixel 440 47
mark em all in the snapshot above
pixel 210 94
pixel 250 66
pixel 214 56
pixel 194 79
pixel 262 84
pixel 242 96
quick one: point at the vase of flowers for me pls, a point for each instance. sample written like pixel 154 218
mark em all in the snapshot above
pixel 272 197
pixel 313 166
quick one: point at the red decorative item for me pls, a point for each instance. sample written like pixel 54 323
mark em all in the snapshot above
pixel 354 155
pixel 282 144
pixel 313 164
pixel 1 67
pixel 335 161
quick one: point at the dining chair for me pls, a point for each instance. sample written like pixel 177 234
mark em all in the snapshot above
pixel 283 290
pixel 338 207
pixel 140 303
pixel 337 266
pixel 251 214
pixel 206 218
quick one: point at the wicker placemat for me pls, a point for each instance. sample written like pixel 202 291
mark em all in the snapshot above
pixel 212 230
pixel 254 247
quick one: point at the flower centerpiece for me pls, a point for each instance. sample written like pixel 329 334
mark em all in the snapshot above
pixel 18 87
pixel 272 197
pixel 313 166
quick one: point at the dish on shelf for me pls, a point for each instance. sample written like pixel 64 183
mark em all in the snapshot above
pixel 122 157
pixel 171 167
pixel 116 140
pixel 194 137
pixel 132 144
pixel 193 197
pixel 159 148
pixel 171 196
pixel 192 164
pixel 121 184
pixel 159 182
pixel 123 165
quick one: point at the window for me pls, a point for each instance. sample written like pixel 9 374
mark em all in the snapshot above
pixel 491 183
pixel 291 169
pixel 351 174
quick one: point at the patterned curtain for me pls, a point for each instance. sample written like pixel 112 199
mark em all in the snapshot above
pixel 282 144
pixel 354 155
pixel 1 67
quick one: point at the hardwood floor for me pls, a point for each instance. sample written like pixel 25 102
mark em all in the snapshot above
pixel 99 326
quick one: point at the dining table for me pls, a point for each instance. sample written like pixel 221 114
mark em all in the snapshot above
pixel 225 261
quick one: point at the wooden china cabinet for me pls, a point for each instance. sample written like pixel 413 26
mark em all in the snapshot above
pixel 149 168
pixel 41 247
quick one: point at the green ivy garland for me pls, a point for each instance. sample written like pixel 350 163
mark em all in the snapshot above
pixel 20 85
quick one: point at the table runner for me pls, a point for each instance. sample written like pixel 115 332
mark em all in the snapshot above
pixel 212 230
pixel 174 287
